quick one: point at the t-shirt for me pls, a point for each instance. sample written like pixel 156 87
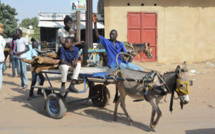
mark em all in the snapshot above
pixel 63 33
pixel 13 47
pixel 2 45
pixel 68 55
pixel 112 51
pixel 21 46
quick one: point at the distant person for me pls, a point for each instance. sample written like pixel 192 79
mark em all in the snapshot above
pixel 93 61
pixel 22 49
pixel 34 74
pixel 13 56
pixel 113 47
pixel 6 54
pixel 68 31
pixel 69 61
pixel 2 57
pixel 73 6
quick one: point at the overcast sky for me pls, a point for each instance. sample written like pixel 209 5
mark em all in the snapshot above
pixel 30 8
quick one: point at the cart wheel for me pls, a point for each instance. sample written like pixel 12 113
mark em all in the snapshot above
pixel 55 106
pixel 102 97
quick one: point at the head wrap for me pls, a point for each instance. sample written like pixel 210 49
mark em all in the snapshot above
pixel 1 28
pixel 32 40
pixel 67 19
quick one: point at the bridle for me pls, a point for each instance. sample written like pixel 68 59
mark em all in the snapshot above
pixel 180 91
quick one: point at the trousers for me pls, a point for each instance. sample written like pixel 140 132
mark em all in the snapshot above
pixel 64 69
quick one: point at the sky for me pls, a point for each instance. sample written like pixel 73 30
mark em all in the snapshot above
pixel 30 8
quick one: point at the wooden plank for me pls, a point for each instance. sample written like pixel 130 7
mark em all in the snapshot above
pixel 48 61
pixel 91 70
pixel 84 70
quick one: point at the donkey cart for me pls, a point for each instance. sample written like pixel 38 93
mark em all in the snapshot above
pixel 55 103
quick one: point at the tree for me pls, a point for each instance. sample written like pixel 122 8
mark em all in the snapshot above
pixel 31 22
pixel 7 17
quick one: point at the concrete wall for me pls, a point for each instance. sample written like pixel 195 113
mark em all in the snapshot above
pixel 185 28
pixel 27 33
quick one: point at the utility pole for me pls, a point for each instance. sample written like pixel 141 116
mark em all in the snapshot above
pixel 78 25
pixel 89 27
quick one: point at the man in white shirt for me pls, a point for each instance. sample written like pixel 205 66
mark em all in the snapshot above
pixel 22 48
pixel 2 58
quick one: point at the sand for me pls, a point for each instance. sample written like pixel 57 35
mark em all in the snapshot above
pixel 21 116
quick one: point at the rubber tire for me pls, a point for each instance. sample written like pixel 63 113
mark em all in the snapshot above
pixel 62 108
pixel 97 91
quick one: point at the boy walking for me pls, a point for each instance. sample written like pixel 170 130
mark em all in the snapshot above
pixel 22 48
pixel 34 74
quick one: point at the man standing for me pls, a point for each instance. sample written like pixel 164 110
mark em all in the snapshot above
pixel 22 48
pixel 13 56
pixel 2 58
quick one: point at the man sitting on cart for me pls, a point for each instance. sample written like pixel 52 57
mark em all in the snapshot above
pixel 113 48
pixel 69 62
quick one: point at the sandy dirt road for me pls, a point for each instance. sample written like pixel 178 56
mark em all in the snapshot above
pixel 21 116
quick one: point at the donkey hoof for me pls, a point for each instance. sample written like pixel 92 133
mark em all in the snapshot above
pixel 153 128
pixel 131 124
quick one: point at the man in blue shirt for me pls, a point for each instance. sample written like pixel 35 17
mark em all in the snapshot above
pixel 69 62
pixel 113 47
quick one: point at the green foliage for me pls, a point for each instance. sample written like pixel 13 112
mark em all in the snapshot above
pixel 7 17
pixel 31 22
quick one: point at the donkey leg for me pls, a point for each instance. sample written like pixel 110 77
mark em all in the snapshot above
pixel 124 109
pixel 116 108
pixel 122 100
pixel 156 109
pixel 152 116
pixel 117 101
pixel 159 114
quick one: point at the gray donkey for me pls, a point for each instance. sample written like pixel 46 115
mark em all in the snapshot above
pixel 169 82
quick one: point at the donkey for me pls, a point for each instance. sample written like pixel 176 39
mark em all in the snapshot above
pixel 135 49
pixel 175 81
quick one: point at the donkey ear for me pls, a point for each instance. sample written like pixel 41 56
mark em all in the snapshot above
pixel 184 66
pixel 178 70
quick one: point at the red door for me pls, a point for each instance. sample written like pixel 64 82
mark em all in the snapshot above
pixel 142 27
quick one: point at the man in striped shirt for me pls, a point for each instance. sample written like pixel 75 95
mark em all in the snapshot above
pixel 13 57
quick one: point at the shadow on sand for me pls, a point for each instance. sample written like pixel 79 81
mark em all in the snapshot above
pixel 201 131
pixel 89 110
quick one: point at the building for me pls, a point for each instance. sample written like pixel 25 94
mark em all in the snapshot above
pixel 49 23
pixel 27 33
pixel 178 30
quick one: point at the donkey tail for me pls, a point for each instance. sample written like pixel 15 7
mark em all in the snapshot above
pixel 116 96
